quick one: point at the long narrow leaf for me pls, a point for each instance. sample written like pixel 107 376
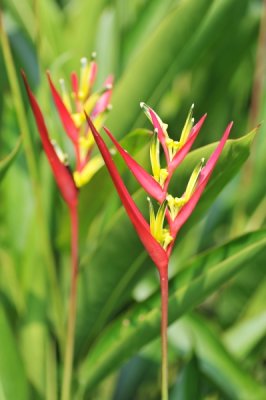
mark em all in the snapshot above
pixel 130 332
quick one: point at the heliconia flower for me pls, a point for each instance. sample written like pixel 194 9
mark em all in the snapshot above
pixel 159 235
pixel 71 112
pixel 173 210
pixel 61 172
pixel 157 185
pixel 70 109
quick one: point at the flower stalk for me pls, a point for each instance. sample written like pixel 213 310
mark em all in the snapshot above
pixel 164 341
pixel 72 309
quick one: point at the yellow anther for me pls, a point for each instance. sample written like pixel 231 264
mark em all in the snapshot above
pixel 65 95
pixel 100 118
pixel 167 238
pixel 86 142
pixel 169 142
pixel 193 180
pixel 84 79
pixel 159 174
pixel 161 234
pixel 176 203
pixel 163 176
pixel 147 113
pixel 90 169
pixel 155 157
pixel 78 119
pixel 187 127
pixel 172 147
pixel 92 100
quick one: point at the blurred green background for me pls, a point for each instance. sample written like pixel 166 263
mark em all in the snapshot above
pixel 169 54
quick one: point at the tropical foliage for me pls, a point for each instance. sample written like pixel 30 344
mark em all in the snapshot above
pixel 168 54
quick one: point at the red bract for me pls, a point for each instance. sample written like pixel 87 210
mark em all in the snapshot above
pixel 67 121
pixel 203 179
pixel 156 252
pixel 147 181
pixel 157 239
pixel 61 173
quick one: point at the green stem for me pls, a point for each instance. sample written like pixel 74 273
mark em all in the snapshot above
pixel 164 324
pixel 69 351
pixel 34 173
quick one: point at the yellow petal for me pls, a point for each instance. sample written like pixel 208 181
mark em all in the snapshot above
pixel 155 157
pixel 84 176
pixel 192 183
pixel 187 127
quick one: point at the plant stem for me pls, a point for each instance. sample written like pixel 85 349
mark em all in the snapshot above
pixel 164 324
pixel 69 350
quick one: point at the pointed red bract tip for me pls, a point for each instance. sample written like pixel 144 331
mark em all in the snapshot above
pixel 75 83
pixel 181 154
pixel 154 249
pixel 93 73
pixel 161 135
pixel 64 114
pixel 105 98
pixel 61 173
pixel 205 175
pixel 149 184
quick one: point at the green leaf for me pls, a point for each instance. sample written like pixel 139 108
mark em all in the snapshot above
pixel 23 12
pixel 147 18
pixel 11 289
pixel 215 361
pixel 176 45
pixel 107 46
pixel 13 383
pixel 245 334
pixel 199 278
pixel 83 20
pixel 188 383
pixel 7 161
pixel 116 260
pixel 179 24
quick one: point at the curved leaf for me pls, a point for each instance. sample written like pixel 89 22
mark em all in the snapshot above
pixel 187 31
pixel 180 24
pixel 131 331
pixel 214 360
